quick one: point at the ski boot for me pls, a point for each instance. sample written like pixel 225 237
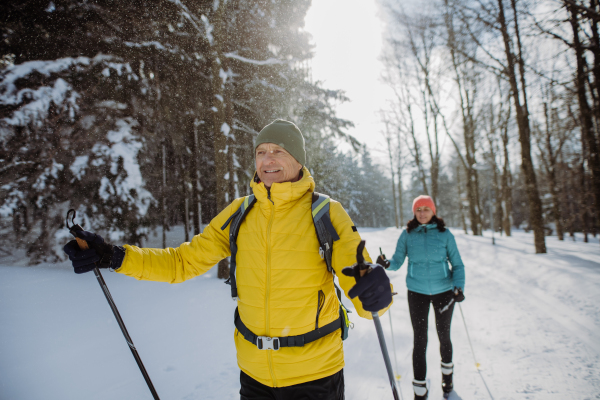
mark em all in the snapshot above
pixel 447 371
pixel 420 388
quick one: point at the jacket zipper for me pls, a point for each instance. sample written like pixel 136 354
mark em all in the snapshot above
pixel 320 303
pixel 410 266
pixel 427 262
pixel 270 356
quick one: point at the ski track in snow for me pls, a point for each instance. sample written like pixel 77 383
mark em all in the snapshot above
pixel 533 321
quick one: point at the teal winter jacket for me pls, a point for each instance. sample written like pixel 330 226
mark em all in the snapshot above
pixel 429 251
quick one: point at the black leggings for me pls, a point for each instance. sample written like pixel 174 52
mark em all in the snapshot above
pixel 418 305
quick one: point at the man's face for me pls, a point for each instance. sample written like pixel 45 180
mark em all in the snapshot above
pixel 275 165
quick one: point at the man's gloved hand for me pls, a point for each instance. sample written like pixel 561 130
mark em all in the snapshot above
pixel 458 295
pixel 373 289
pixel 98 255
pixel 384 262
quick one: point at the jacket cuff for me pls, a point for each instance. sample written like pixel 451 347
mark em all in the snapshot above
pixel 117 258
pixel 393 265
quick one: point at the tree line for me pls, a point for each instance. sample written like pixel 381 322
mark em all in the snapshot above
pixel 141 115
pixel 509 91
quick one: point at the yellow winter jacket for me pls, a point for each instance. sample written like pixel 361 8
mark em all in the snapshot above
pixel 279 275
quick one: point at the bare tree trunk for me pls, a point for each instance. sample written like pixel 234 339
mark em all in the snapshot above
pixel 196 203
pixel 416 154
pixel 164 196
pixel 388 140
pixel 435 159
pixel 473 195
pixel 550 163
pixel 587 126
pixel 460 205
pixel 492 135
pixel 506 179
pixel 595 48
pixel 570 190
pixel 535 204
pixel 400 193
pixel 218 108
pixel 468 124
pixel 584 205
pixel 218 78
pixel 497 198
pixel 185 213
pixel 400 202
pixel 230 141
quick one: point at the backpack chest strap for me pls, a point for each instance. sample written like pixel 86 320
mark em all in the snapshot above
pixel 236 220
pixel 326 233
pixel 275 343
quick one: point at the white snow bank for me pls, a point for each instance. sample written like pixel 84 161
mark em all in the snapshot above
pixel 533 321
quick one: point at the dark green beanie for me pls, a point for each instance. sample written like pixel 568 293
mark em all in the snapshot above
pixel 285 134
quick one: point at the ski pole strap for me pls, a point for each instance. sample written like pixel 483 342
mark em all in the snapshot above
pixel 275 343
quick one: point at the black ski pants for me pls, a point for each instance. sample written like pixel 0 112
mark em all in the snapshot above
pixel 418 305
pixel 328 388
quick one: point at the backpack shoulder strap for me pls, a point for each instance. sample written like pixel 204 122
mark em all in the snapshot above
pixel 236 221
pixel 326 233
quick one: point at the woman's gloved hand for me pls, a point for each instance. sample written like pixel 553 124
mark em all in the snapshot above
pixel 384 262
pixel 458 295
pixel 373 289
pixel 99 254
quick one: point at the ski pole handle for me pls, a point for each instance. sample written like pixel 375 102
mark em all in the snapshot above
pixel 83 245
pixel 360 268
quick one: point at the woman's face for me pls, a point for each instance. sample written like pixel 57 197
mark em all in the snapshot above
pixel 424 214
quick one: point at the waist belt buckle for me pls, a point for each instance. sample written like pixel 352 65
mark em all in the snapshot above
pixel 267 343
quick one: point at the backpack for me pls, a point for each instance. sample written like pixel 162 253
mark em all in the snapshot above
pixel 326 235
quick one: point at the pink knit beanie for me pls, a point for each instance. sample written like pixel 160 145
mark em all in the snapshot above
pixel 423 201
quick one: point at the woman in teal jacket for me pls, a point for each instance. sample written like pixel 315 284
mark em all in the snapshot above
pixel 430 249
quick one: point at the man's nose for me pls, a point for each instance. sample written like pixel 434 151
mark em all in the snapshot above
pixel 269 157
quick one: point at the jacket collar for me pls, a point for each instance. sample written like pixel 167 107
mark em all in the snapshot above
pixel 428 226
pixel 283 195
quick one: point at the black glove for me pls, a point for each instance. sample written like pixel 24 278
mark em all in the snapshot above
pixel 99 254
pixel 384 262
pixel 458 295
pixel 373 289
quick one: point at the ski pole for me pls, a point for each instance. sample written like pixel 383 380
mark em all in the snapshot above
pixel 397 375
pixel 477 365
pixel 84 246
pixel 359 267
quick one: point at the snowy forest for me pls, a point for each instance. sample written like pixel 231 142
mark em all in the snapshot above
pixel 141 115
pixel 513 88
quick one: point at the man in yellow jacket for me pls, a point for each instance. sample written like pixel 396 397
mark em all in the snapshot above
pixel 285 294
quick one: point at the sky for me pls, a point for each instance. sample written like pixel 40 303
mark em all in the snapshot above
pixel 348 39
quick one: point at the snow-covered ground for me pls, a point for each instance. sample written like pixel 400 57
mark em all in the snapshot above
pixel 534 322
